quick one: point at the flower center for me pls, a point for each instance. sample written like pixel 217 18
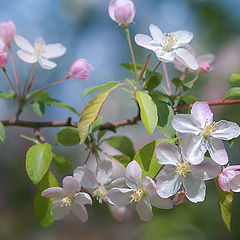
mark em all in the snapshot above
pixel 183 168
pixel 209 129
pixel 137 195
pixel 39 49
pixel 100 193
pixel 67 201
pixel 168 40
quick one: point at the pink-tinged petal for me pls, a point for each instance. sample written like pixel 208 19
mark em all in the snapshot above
pixel 28 58
pixel 233 167
pixel 83 198
pixel 120 213
pixel 193 148
pixel 53 192
pixel 167 153
pixel 182 37
pixel 149 185
pixel 168 182
pixel 79 211
pixel 104 172
pixel 46 64
pixel 144 40
pixel 133 174
pixel 2 45
pixel 235 184
pixel 226 130
pixel 144 210
pixel 71 185
pixel 117 183
pixel 24 44
pixel 223 182
pixel 7 31
pixel 195 188
pixel 208 58
pixel 86 177
pixel 53 50
pixel 120 196
pixel 185 123
pixel 59 211
pixel 156 33
pixel 206 170
pixel 39 44
pixel 163 203
pixel 217 150
pixel 179 198
pixel 202 112
pixel 184 56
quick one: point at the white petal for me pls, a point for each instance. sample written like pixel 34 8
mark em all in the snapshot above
pixel 144 40
pixel 117 183
pixel 206 170
pixel 104 172
pixel 46 64
pixel 185 123
pixel 53 192
pixel 58 211
pixel 235 183
pixel 120 196
pixel 28 58
pixel 39 44
pixel 167 153
pixel 24 44
pixel 168 182
pixel 79 211
pixel 164 56
pixel 86 177
pixel 133 174
pixel 163 203
pixel 149 185
pixel 53 50
pixel 187 58
pixel 144 210
pixel 217 150
pixel 202 112
pixel 71 185
pixel 156 33
pixel 83 198
pixel 208 58
pixel 182 37
pixel 195 188
pixel 226 130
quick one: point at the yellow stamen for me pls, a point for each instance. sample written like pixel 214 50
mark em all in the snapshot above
pixel 209 129
pixel 100 193
pixel 183 168
pixel 168 41
pixel 67 201
pixel 137 195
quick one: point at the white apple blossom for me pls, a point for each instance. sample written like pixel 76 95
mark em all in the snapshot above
pixel 142 191
pixel 207 133
pixel 69 199
pixel 40 52
pixel 100 182
pixel 179 171
pixel 168 46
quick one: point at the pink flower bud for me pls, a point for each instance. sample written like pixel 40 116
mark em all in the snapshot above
pixel 2 45
pixel 3 59
pixel 80 69
pixel 180 197
pixel 7 31
pixel 121 11
pixel 120 213
pixel 205 67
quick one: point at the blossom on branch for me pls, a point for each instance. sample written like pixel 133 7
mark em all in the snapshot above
pixel 7 31
pixel 40 52
pixel 207 134
pixel 3 59
pixel 80 69
pixel 168 46
pixel 69 199
pixel 178 170
pixel 141 191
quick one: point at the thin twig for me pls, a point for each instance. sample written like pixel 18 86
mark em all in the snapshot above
pixel 9 80
pixel 167 78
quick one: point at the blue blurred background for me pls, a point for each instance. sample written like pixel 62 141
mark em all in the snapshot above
pixel 87 31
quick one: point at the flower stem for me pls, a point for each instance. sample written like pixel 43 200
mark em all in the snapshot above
pixel 27 79
pixel 9 80
pixel 167 78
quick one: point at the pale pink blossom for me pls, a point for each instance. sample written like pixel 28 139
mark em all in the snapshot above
pixel 7 31
pixel 180 197
pixel 120 213
pixel 3 59
pixel 229 179
pixel 80 69
pixel 2 45
pixel 121 11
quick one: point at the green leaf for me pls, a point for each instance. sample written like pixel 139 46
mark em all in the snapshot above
pixel 100 135
pixel 62 164
pixel 105 86
pixel 90 114
pixel 38 160
pixel 68 137
pixel 2 133
pixel 165 117
pixel 122 159
pixel 41 96
pixel 177 82
pixel 37 107
pixel 154 82
pixel 235 80
pixel 147 159
pixel 157 95
pixel 96 125
pixel 42 206
pixel 34 140
pixel 148 111
pixel 186 99
pixel 123 144
pixel 130 67
pixel 233 93
pixel 10 95
pixel 225 204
